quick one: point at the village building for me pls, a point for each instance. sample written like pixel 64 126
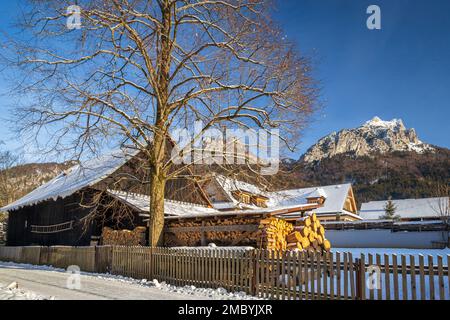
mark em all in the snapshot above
pixel 425 209
pixel 75 207
pixel 334 202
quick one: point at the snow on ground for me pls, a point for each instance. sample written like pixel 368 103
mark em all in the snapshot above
pixel 19 294
pixel 216 294
pixel 187 291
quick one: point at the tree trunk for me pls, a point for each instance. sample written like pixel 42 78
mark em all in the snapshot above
pixel 158 153
pixel 156 221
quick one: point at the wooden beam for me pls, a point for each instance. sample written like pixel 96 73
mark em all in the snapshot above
pixel 242 228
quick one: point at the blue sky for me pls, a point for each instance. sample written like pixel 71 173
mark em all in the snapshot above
pixel 401 71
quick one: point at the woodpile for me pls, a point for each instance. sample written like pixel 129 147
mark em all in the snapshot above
pixel 220 238
pixel 274 233
pixel 309 235
pixel 134 237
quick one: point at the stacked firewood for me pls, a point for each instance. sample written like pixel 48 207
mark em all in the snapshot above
pixel 274 233
pixel 134 237
pixel 309 235
pixel 222 238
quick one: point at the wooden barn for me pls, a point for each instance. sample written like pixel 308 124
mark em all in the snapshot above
pixel 74 207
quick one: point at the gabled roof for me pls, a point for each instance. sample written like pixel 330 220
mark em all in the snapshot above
pixel 406 209
pixel 335 195
pixel 75 179
pixel 318 193
pixel 171 208
pixel 229 186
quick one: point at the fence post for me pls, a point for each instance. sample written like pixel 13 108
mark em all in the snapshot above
pixel 358 278
pixel 360 266
pixel 255 279
pixel 151 263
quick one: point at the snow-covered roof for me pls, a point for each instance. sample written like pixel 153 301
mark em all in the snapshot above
pixel 406 209
pixel 74 179
pixel 171 208
pixel 189 210
pixel 229 185
pixel 318 193
pixel 335 195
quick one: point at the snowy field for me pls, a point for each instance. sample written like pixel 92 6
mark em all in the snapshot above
pixel 44 282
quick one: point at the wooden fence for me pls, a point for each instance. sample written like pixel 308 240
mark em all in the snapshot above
pixel 266 274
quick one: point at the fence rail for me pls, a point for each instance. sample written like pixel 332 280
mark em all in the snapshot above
pixel 263 273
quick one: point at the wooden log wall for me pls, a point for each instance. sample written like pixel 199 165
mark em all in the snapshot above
pixel 226 231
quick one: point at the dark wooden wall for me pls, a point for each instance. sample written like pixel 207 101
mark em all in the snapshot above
pixel 64 210
pixel 49 213
pixel 132 177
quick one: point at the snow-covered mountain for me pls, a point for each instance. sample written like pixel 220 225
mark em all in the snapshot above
pixel 374 136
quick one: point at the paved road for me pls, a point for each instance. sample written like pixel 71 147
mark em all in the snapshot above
pixel 54 284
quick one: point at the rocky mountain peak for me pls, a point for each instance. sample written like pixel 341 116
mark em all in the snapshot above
pixel 376 123
pixel 374 136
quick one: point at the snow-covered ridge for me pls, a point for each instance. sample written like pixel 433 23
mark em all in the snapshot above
pixel 378 123
pixel 374 136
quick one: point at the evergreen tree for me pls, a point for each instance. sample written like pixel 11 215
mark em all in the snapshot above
pixel 389 211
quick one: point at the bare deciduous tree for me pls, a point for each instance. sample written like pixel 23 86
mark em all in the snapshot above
pixel 442 206
pixel 139 68
pixel 8 190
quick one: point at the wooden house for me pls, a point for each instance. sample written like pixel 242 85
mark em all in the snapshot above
pixel 334 202
pixel 73 208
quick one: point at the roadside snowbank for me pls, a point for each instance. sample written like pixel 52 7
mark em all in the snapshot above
pixel 19 294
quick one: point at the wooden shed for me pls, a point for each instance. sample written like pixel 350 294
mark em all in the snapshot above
pixel 73 208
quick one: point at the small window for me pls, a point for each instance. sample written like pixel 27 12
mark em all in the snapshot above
pixel 245 198
pixel 259 202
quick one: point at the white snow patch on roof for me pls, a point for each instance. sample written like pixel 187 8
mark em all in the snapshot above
pixel 74 179
pixel 230 185
pixel 335 195
pixel 171 208
pixel 407 208
pixel 319 192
